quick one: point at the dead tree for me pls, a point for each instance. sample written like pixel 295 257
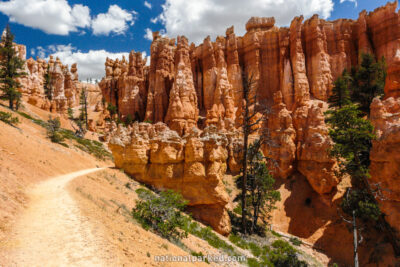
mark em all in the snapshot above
pixel 356 232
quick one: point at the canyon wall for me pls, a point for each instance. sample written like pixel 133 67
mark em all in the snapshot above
pixel 292 70
pixel 385 153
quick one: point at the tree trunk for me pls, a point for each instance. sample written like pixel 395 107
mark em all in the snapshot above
pixel 11 103
pixel 255 217
pixel 382 222
pixel 244 190
pixel 355 240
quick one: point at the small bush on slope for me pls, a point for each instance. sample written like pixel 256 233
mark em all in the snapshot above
pixel 7 117
pixel 53 130
pixel 90 146
pixel 162 213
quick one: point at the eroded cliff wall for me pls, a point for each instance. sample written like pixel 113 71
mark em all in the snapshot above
pixel 293 69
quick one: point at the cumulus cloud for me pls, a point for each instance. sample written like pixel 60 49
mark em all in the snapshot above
pixel 197 19
pixel 114 21
pixel 147 4
pixel 41 52
pixel 90 64
pixel 354 1
pixel 58 17
pixel 149 34
pixel 50 16
pixel 154 20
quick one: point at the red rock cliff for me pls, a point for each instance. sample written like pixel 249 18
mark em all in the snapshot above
pixel 293 69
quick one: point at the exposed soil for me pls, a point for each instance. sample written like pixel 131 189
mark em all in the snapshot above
pixel 53 232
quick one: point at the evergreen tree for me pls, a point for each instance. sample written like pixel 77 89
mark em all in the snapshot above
pixel 53 130
pixel 353 135
pixel 260 194
pixel 83 116
pixel 10 69
pixel 82 120
pixel 340 92
pixel 369 81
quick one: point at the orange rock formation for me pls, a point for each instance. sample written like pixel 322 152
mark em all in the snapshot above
pixel 64 83
pixel 193 165
pixel 293 70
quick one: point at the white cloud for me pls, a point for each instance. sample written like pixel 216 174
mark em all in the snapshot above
pixel 197 19
pixel 149 34
pixel 147 4
pixel 33 52
pixel 41 52
pixel 50 16
pixel 114 21
pixel 154 20
pixel 90 64
pixel 354 1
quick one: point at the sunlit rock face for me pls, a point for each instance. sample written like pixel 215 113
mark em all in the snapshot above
pixel 63 82
pixel 193 165
pixel 292 70
pixel 385 156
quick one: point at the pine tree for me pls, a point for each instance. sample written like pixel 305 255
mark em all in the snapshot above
pixel 10 69
pixel 353 136
pixel 340 92
pixel 260 194
pixel 369 81
pixel 83 111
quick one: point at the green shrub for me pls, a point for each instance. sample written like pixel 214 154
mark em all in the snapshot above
pixel 206 234
pixel 128 119
pixel 90 146
pixel 275 233
pixel 295 241
pixel 53 130
pixel 238 241
pixel 238 209
pixel 200 254
pixel 161 212
pixel 283 255
pixel 252 262
pixel 112 109
pixel 7 117
pixel 36 121
pixel 255 249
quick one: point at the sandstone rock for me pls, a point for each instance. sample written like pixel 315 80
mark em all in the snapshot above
pixel 385 157
pixel 257 23
pixel 281 146
pixel 160 78
pixel 383 25
pixel 125 85
pixel 317 58
pixel 301 85
pixel 189 86
pixel 193 165
pixel 182 110
pixel 64 83
pixel 313 147
pixel 392 85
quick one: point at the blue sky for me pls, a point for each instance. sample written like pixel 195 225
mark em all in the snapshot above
pixel 87 31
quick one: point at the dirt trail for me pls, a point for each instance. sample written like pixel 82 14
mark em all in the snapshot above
pixel 53 232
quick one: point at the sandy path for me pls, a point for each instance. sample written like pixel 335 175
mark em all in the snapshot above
pixel 53 232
